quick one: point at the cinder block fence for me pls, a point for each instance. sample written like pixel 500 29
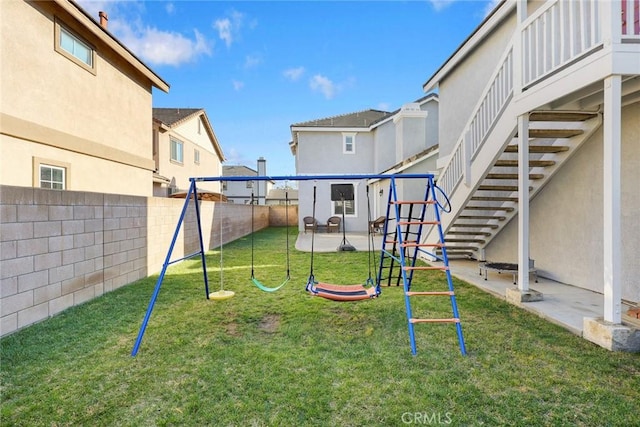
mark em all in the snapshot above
pixel 62 248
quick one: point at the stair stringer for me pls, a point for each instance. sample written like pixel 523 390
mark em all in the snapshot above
pixel 495 143
pixel 589 127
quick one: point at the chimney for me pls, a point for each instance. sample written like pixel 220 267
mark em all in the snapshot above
pixel 104 19
pixel 262 185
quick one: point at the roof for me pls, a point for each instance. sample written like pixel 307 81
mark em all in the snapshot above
pixel 175 116
pixel 362 119
pixel 282 194
pixel 238 170
pixel 90 23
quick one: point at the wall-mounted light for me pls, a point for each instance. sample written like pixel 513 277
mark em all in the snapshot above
pixel 381 192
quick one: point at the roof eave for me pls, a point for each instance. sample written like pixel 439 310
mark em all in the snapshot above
pixel 83 17
pixel 467 46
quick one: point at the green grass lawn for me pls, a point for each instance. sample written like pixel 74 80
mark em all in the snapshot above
pixel 290 359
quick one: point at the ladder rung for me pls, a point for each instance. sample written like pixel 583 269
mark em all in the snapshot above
pixel 419 245
pixel 418 222
pixel 407 268
pixel 396 241
pixel 453 320
pixel 411 293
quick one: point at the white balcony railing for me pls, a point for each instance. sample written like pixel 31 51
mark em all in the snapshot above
pixel 557 34
pixel 487 111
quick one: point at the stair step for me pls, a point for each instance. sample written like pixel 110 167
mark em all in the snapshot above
pixel 469 233
pixel 512 176
pixel 492 226
pixel 532 163
pixel 510 188
pixel 459 248
pixel 539 149
pixel 494 199
pixel 454 240
pixel 563 116
pixel 553 133
pixel 452 320
pixel 490 208
pixel 428 293
pixel 499 218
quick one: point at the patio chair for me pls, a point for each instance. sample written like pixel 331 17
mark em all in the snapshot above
pixel 376 225
pixel 310 223
pixel 333 224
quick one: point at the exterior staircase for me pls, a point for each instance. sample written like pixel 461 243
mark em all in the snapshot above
pixel 492 201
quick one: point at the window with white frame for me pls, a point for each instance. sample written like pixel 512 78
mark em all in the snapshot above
pixel 349 206
pixel 349 143
pixel 74 48
pixel 196 156
pixel 53 177
pixel 177 151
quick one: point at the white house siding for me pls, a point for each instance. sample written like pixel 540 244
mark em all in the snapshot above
pixel 566 217
pixel 461 89
pixel 385 146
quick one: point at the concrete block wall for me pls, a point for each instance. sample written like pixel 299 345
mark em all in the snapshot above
pixel 278 215
pixel 62 248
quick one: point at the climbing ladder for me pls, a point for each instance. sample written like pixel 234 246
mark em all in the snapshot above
pixel 401 245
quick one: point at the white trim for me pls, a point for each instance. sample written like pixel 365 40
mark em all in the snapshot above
pixel 346 135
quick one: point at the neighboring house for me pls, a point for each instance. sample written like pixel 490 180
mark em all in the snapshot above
pixel 184 146
pixel 76 103
pixel 242 192
pixel 282 196
pixel 539 126
pixel 365 142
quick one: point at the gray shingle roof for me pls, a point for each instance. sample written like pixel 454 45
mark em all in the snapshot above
pixel 171 116
pixel 238 171
pixel 362 119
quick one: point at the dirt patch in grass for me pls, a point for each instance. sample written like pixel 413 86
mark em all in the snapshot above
pixel 269 323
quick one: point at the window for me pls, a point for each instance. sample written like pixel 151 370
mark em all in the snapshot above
pixel 349 207
pixel 74 48
pixel 249 184
pixel 176 151
pixel 49 173
pixel 199 127
pixel 52 177
pixel 349 143
pixel 346 191
pixel 196 156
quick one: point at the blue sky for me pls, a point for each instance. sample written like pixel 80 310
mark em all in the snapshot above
pixel 257 67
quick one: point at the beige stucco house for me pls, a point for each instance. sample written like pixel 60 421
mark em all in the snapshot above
pixel 75 106
pixel 539 125
pixel 184 146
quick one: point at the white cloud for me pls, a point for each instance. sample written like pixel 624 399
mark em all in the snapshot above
pixel 320 83
pixel 229 28
pixel 161 47
pixel 384 106
pixel 237 85
pixel 251 61
pixel 294 74
pixel 170 8
pixel 440 4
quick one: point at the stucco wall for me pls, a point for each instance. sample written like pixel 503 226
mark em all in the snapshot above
pixel 62 248
pixel 209 165
pixel 87 121
pixel 461 88
pixel 566 217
